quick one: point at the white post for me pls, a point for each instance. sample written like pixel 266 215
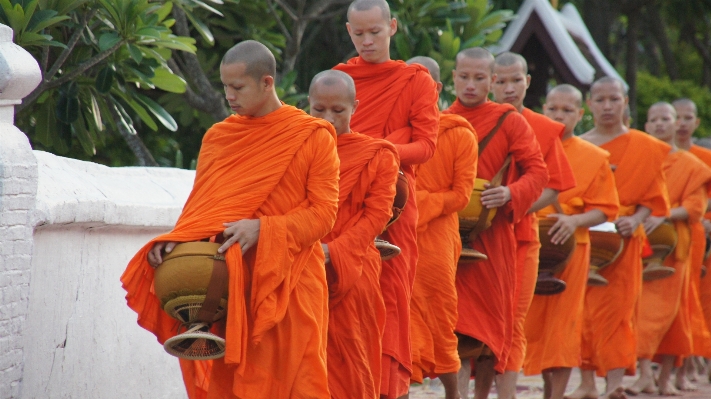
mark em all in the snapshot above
pixel 19 75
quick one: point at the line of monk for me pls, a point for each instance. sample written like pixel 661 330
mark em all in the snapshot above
pixel 296 203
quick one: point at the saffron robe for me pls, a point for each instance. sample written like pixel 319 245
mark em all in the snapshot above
pixel 283 169
pixel 664 325
pixel 444 185
pixel 554 323
pixel 609 330
pixel 485 289
pixel 368 172
pixel 561 178
pixel 398 103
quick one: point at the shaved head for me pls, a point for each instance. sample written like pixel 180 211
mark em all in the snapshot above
pixel 568 89
pixel 365 5
pixel 509 58
pixel 476 53
pixel 258 59
pixel 332 77
pixel 428 63
pixel 608 80
pixel 662 104
pixel 686 102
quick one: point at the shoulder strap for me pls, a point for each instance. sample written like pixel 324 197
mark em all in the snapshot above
pixel 484 142
pixel 495 182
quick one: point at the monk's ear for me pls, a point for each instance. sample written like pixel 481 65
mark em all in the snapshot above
pixel 355 105
pixel 348 27
pixel 581 113
pixel 393 26
pixel 268 81
pixel 698 122
pixel 528 81
pixel 439 87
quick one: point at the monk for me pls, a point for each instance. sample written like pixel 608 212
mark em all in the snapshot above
pixel 267 180
pixel 699 289
pixel 398 103
pixel 664 325
pixel 512 81
pixel 444 185
pixel 369 169
pixel 486 289
pixel 609 335
pixel 554 322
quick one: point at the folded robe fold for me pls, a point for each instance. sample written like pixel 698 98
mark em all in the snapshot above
pixel 368 172
pixel 486 289
pixel 444 185
pixel 283 169
pixel 554 323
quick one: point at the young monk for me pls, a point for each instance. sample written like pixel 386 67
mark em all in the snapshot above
pixel 444 185
pixel 398 103
pixel 609 335
pixel 486 289
pixel 699 289
pixel 267 179
pixel 664 325
pixel 512 81
pixel 554 323
pixel 369 169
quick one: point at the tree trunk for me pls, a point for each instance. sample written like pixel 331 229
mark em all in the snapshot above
pixel 143 155
pixel 659 30
pixel 599 16
pixel 631 74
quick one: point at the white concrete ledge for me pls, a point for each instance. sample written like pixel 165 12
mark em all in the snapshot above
pixel 71 191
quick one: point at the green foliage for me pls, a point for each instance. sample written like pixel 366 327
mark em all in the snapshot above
pixel 440 29
pixel 28 22
pixel 651 89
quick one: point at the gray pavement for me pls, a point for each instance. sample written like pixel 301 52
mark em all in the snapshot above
pixel 531 387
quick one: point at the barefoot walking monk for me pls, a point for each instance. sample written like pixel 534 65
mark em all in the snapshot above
pixel 486 289
pixel 398 103
pixel 267 180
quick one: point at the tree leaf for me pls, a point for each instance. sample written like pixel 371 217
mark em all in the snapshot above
pixel 108 40
pixel 46 123
pixel 67 108
pixel 166 80
pixel 136 53
pixel 105 79
pixel 81 133
pixel 200 26
pixel 160 113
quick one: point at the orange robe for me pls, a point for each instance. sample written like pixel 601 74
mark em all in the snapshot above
pixel 663 321
pixel 700 288
pixel 369 169
pixel 554 323
pixel 283 169
pixel 609 330
pixel 486 289
pixel 444 184
pixel 561 178
pixel 398 103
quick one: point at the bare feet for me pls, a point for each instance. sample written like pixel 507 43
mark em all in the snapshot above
pixel 618 393
pixel 583 393
pixel 645 384
pixel 683 384
pixel 667 389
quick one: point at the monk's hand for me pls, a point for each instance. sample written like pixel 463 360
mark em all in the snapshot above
pixel 326 253
pixel 155 255
pixel 495 197
pixel 245 232
pixel 707 226
pixel 563 228
pixel 652 223
pixel 626 225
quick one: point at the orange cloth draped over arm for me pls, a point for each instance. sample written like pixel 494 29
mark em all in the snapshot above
pixel 486 289
pixel 283 169
pixel 398 103
pixel 554 323
pixel 561 178
pixel 663 320
pixel 444 185
pixel 609 327
pixel 369 170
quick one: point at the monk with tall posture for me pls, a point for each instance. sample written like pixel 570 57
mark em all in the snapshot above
pixel 510 86
pixel 266 180
pixel 486 289
pixel 699 288
pixel 609 326
pixel 398 103
pixel 444 184
pixel 369 169
pixel 554 323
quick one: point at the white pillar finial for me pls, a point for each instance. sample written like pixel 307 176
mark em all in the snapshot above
pixel 19 74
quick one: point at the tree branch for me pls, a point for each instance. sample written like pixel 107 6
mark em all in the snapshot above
pixel 318 8
pixel 284 29
pixel 139 149
pixel 658 29
pixel 288 9
pixel 70 47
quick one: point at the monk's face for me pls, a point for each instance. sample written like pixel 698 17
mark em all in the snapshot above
pixel 688 121
pixel 563 108
pixel 371 33
pixel 661 122
pixel 510 85
pixel 334 104
pixel 245 95
pixel 607 103
pixel 472 80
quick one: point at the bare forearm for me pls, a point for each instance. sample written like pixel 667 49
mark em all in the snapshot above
pixel 548 196
pixel 679 213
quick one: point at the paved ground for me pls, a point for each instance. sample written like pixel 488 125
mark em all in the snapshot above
pixel 532 388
